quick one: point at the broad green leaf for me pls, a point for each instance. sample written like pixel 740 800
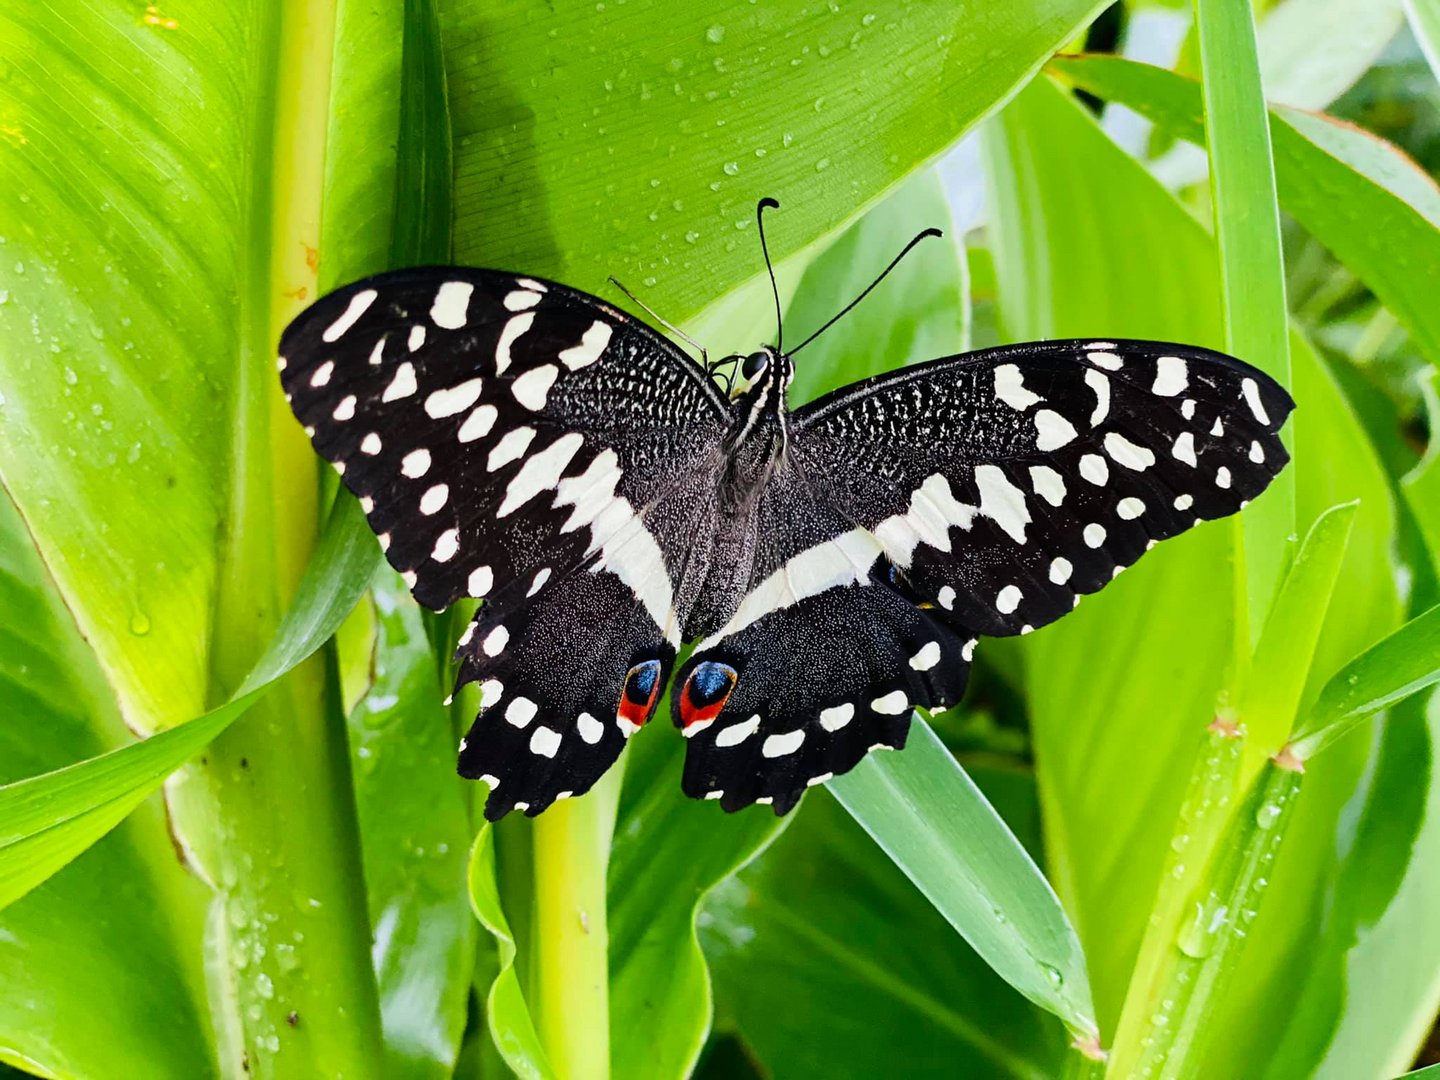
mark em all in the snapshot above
pixel 669 853
pixel 45 821
pixel 1252 274
pixel 936 825
pixel 415 836
pixel 635 139
pixel 920 312
pixel 1402 664
pixel 122 925
pixel 1430 1072
pixel 1362 198
pixel 824 934
pixel 1312 51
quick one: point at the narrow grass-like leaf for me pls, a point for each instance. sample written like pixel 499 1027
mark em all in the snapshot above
pixel 937 826
pixel 1424 16
pixel 37 836
pixel 634 139
pixel 823 933
pixel 1361 197
pixel 1422 484
pixel 1252 272
pixel 1402 664
pixel 1286 649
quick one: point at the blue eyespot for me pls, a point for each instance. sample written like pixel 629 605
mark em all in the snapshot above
pixel 641 681
pixel 711 682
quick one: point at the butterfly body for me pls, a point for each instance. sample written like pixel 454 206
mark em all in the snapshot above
pixel 521 442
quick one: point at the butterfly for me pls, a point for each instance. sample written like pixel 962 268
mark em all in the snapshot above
pixel 518 441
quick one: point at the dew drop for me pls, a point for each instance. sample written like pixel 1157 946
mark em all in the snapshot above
pixel 715 35
pixel 139 624
pixel 732 168
pixel 822 164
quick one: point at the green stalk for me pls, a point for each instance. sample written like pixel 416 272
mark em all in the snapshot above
pixel 1209 946
pixel 1203 816
pixel 267 814
pixel 1252 272
pixel 570 977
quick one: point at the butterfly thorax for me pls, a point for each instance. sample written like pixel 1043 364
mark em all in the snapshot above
pixel 759 435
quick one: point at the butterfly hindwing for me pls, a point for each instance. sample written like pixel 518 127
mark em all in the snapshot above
pixel 1005 483
pixel 817 685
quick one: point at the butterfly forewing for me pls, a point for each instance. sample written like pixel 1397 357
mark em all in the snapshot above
pixel 1005 483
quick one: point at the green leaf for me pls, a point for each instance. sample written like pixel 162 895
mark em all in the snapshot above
pixel 415 837
pixel 823 933
pixel 1421 485
pixel 1312 51
pixel 1252 274
pixel 936 825
pixel 45 821
pixel 1286 649
pixel 1361 197
pixel 921 311
pixel 122 925
pixel 635 139
pixel 1424 16
pixel 1402 664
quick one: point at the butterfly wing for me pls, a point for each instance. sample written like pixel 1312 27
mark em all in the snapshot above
pixel 975 495
pixel 1004 484
pixel 508 438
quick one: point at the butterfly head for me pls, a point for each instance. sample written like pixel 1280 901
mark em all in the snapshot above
pixel 760 373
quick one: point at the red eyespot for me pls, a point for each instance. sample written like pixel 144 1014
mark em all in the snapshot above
pixel 638 697
pixel 704 695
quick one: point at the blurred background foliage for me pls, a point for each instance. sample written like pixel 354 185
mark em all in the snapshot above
pixel 308 897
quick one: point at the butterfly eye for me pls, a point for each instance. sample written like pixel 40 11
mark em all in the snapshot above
pixel 637 697
pixel 704 695
pixel 754 364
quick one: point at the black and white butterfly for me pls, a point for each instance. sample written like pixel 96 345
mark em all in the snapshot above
pixel 519 441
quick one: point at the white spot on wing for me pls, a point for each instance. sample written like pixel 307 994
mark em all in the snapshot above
pixel 1052 430
pixel 1010 388
pixel 323 373
pixel 1094 469
pixel 359 304
pixel 490 692
pixel 946 597
pixel 1184 448
pixel 495 641
pixel 541 472
pixel 480 581
pixel 416 463
pixel 590 729
pixel 1124 452
pixel 521 711
pixel 434 499
pixel 1251 390
pixel 402 385
pixel 452 304
pixel 521 299
pixel 927 657
pixel 1094 534
pixel 837 716
pixel 446 545
pixel 1048 484
pixel 1257 452
pixel 1002 501
pixel 346 409
pixel 539 581
pixel 1222 477
pixel 458 398
pixel 508 449
pixel 592 344
pixel 532 387
pixel 1008 599
pixel 478 424
pixel 891 704
pixel 1060 570
pixel 1100 384
pixel 735 734
pixel 1171 376
pixel 416 339
pixel 1130 508
pixel 784 743
pixel 544 741
pixel 1107 360
pixel 514 327
pixel 1184 502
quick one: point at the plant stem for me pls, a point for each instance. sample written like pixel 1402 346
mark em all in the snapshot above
pixel 571 975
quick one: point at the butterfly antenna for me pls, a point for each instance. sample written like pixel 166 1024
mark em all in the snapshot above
pixel 760 208
pixel 704 357
pixel 848 307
